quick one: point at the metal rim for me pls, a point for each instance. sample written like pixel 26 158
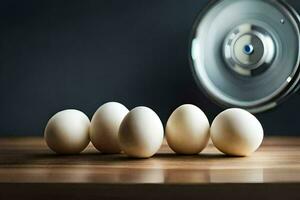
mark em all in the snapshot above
pixel 289 88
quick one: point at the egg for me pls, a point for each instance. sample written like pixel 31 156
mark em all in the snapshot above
pixel 105 125
pixel 187 130
pixel 141 133
pixel 67 132
pixel 236 132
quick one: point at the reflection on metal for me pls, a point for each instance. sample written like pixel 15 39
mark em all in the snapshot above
pixel 245 53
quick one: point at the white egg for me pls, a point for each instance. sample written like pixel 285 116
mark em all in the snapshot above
pixel 141 133
pixel 67 132
pixel 187 130
pixel 105 126
pixel 236 132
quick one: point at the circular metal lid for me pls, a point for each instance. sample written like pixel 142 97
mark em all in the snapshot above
pixel 245 53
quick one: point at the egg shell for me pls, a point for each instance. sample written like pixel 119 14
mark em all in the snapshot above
pixel 141 133
pixel 236 132
pixel 105 125
pixel 67 132
pixel 187 130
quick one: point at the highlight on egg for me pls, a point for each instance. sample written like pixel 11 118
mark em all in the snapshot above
pixel 236 132
pixel 187 130
pixel 67 132
pixel 141 133
pixel 105 125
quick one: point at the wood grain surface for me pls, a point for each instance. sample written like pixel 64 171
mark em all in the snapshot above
pixel 273 171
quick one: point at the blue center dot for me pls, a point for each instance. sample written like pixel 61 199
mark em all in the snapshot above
pixel 248 49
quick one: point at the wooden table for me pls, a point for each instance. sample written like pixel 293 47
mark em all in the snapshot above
pixel 29 170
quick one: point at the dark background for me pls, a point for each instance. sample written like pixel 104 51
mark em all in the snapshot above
pixel 60 54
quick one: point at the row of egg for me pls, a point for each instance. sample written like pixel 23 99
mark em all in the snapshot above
pixel 139 133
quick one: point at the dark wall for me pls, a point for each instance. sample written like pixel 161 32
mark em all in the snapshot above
pixel 80 54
